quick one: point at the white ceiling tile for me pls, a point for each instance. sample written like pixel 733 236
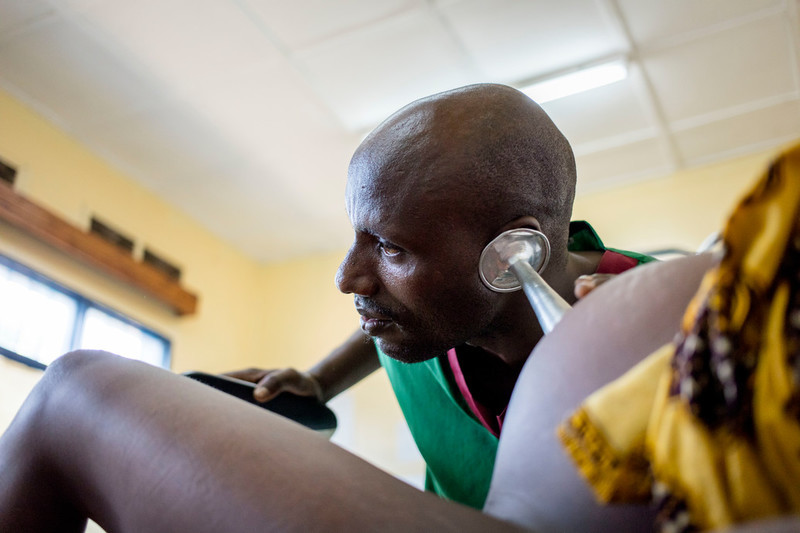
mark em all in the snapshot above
pixel 182 42
pixel 16 14
pixel 262 222
pixel 624 164
pixel 652 21
pixel 242 214
pixel 302 23
pixel 262 104
pixel 244 113
pixel 78 5
pixel 512 40
pixel 366 75
pixel 192 166
pixel 68 75
pixel 749 63
pixel 163 144
pixel 603 114
pixel 300 141
pixel 740 134
pixel 273 118
pixel 286 166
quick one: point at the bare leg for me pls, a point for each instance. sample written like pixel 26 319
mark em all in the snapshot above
pixel 31 497
pixel 139 449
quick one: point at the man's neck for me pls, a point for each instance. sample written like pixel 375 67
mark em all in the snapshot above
pixel 489 380
pixel 577 264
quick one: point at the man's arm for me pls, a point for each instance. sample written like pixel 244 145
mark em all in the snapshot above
pixel 349 363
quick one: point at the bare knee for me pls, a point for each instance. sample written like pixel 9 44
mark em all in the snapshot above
pixel 44 443
pixel 68 387
pixel 81 371
pixel 78 364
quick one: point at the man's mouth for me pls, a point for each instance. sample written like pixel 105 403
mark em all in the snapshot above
pixel 373 321
pixel 374 326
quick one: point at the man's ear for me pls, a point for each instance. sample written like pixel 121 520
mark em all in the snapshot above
pixel 524 221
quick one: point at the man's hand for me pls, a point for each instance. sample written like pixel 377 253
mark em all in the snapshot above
pixel 586 284
pixel 343 367
pixel 270 383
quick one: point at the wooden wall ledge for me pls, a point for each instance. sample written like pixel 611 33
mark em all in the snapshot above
pixel 93 250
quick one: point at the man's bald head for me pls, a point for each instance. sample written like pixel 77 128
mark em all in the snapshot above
pixel 488 150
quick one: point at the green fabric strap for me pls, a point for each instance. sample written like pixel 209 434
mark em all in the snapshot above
pixel 458 450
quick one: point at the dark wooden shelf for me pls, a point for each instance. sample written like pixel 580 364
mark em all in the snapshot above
pixel 93 250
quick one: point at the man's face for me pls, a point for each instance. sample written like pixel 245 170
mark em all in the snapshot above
pixel 413 266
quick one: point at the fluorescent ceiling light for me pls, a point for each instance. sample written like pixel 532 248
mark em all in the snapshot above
pixel 577 81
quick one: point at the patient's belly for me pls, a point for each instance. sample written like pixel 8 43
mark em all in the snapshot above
pixel 617 325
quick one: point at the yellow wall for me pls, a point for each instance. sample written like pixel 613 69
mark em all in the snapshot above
pixel 678 211
pixel 288 313
pixel 303 318
pixel 57 173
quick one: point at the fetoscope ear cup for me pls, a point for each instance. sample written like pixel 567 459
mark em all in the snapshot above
pixel 494 267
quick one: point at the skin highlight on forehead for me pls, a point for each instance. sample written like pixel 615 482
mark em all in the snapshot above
pixel 415 157
pixel 487 147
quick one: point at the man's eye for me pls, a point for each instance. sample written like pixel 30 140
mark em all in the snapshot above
pixel 389 249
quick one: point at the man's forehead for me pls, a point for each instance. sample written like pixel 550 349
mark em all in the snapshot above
pixel 373 192
pixel 414 169
pixel 416 162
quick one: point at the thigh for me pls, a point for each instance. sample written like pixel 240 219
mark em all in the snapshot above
pixel 140 449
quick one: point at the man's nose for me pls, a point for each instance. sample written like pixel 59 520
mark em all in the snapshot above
pixel 356 275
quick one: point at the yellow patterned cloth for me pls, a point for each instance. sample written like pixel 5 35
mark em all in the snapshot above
pixel 708 427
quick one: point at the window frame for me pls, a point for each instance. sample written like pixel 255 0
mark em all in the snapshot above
pixel 83 304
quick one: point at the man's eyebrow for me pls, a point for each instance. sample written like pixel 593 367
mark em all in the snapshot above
pixel 376 235
pixel 366 231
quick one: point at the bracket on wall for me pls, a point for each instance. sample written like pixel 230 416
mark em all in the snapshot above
pixel 93 250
